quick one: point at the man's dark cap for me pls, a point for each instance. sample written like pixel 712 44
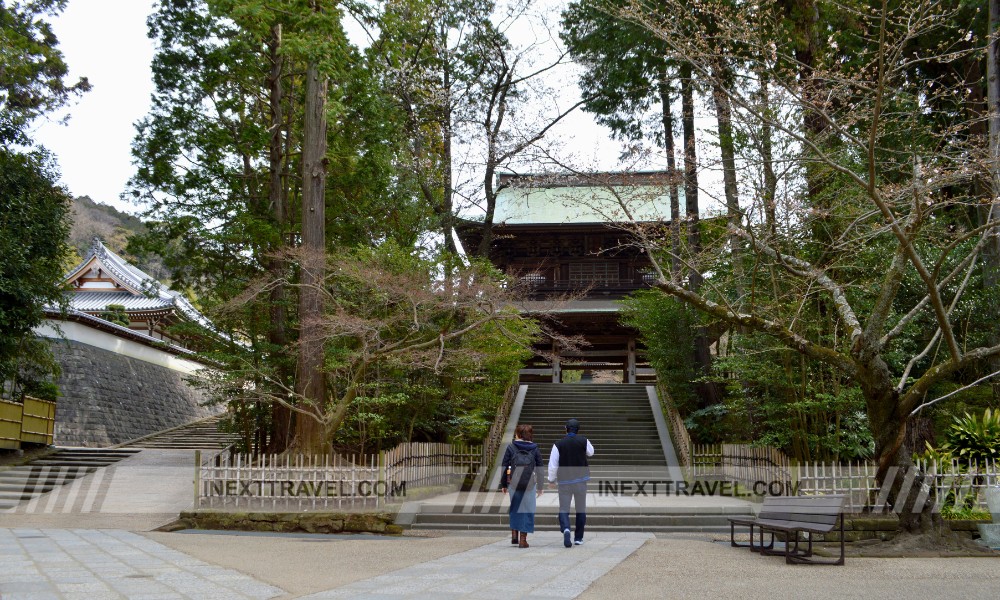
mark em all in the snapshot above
pixel 573 425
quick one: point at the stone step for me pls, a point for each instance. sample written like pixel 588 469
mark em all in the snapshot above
pixel 200 435
pixel 6 490
pixel 617 419
pixel 550 518
pixel 603 447
pixel 39 477
pixel 43 473
pixel 17 497
pixel 73 463
pixel 79 451
pixel 594 403
pixel 595 523
pixel 623 395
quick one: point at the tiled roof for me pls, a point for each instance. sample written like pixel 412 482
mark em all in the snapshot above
pixel 149 294
pixel 94 301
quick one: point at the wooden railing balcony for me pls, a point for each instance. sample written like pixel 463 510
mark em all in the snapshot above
pixel 600 288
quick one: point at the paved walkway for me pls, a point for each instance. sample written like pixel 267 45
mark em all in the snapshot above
pixel 546 570
pixel 85 564
pixel 142 492
pixel 82 543
pixel 70 564
pixel 42 564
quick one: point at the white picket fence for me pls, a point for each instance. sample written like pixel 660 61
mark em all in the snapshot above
pixel 767 470
pixel 954 482
pixel 330 482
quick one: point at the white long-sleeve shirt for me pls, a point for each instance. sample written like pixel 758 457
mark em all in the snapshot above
pixel 554 460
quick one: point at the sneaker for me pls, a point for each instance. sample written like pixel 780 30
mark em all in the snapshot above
pixel 566 540
pixel 577 542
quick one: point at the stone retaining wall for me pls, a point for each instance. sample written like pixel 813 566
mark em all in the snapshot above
pixel 334 522
pixel 107 398
pixel 884 527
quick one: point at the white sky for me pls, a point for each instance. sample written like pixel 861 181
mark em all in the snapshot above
pixel 105 40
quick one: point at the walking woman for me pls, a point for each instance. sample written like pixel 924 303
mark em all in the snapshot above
pixel 521 464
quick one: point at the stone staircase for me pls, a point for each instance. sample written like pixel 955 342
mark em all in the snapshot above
pixel 42 475
pixel 629 449
pixel 617 419
pixel 200 435
pixel 488 512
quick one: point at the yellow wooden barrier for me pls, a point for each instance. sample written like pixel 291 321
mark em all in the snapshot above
pixel 39 421
pixel 10 425
pixel 32 422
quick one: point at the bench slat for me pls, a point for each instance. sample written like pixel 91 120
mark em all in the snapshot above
pixel 799 518
pixel 793 525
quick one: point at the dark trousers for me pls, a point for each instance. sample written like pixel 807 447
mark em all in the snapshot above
pixel 576 492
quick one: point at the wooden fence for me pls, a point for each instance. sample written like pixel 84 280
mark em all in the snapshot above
pixel 325 482
pixel 854 480
pixel 430 465
pixel 764 470
pixel 30 422
pixel 741 463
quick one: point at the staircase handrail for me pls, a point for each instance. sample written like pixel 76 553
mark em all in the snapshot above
pixel 678 431
pixel 495 436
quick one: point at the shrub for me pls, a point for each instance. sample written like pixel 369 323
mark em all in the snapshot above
pixel 976 440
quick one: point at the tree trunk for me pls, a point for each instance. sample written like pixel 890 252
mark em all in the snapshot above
pixel 770 194
pixel 668 148
pixel 690 176
pixel 281 417
pixel 310 381
pixel 708 392
pixel 991 253
pixel 805 15
pixel 446 213
pixel 727 146
pixel 486 242
pixel 893 455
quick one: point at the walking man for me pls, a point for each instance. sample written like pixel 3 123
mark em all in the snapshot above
pixel 569 468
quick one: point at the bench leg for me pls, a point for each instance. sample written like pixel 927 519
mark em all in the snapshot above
pixel 796 553
pixel 762 548
pixel 751 545
pixel 801 559
pixel 769 549
pixel 732 537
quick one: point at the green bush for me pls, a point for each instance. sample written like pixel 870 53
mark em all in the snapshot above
pixel 976 440
pixel 116 313
pixel 965 513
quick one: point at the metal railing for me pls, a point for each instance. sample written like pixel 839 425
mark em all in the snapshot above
pixel 678 431
pixel 491 445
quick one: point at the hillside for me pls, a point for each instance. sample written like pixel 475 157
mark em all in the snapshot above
pixel 114 227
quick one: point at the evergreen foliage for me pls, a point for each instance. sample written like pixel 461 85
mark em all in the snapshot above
pixel 33 226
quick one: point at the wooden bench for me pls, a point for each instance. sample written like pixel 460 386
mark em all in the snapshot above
pixel 790 516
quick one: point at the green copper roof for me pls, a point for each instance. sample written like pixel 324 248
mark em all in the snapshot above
pixel 582 204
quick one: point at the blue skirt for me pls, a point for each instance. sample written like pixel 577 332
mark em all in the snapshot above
pixel 522 510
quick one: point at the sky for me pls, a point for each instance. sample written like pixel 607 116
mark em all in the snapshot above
pixel 105 41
